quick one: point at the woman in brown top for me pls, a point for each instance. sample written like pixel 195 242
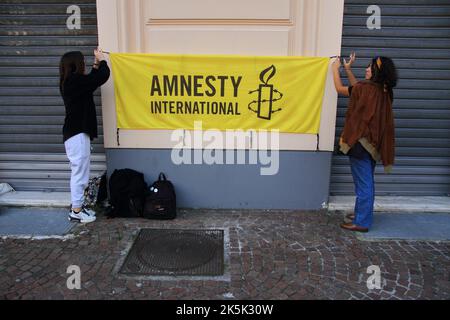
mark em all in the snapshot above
pixel 368 134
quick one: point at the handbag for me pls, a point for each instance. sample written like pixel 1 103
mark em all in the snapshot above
pixel 95 192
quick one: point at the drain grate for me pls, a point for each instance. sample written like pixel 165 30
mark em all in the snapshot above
pixel 176 252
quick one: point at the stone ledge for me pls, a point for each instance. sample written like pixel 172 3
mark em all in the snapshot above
pixel 35 199
pixel 395 204
pixel 336 203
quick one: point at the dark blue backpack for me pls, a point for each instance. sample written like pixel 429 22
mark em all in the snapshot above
pixel 160 201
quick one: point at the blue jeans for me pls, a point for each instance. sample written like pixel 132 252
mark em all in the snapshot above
pixel 363 178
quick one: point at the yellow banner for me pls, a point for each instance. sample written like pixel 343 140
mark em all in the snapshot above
pixel 155 91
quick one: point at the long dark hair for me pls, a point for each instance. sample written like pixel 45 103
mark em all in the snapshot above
pixel 384 72
pixel 71 62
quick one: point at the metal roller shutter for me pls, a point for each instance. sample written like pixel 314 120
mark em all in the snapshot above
pixel 33 37
pixel 416 34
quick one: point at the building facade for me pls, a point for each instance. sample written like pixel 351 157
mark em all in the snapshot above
pixel 414 33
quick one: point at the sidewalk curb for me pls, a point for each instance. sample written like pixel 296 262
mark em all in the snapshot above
pixel 395 204
pixel 35 199
pixel 336 203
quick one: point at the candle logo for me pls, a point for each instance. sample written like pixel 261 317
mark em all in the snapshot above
pixel 266 99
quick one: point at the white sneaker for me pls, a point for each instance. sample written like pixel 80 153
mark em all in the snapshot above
pixel 89 211
pixel 81 216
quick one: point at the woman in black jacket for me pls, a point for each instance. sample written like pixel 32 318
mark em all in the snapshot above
pixel 80 124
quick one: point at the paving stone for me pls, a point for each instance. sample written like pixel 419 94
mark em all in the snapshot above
pixel 276 255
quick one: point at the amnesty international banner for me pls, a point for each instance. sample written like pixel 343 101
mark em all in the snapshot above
pixel 155 91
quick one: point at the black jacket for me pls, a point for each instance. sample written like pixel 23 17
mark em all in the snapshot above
pixel 78 99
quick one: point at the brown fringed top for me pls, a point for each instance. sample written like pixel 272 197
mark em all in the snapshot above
pixel 370 120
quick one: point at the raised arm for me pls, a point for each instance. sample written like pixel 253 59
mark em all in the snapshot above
pixel 348 69
pixel 99 56
pixel 99 74
pixel 340 88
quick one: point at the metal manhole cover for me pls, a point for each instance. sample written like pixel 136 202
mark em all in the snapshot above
pixel 176 252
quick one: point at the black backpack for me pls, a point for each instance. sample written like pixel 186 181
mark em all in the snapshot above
pixel 160 202
pixel 127 189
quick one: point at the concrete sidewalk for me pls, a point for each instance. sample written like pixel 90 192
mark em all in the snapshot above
pixel 336 203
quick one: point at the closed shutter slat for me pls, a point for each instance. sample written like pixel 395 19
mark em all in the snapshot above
pixel 33 37
pixel 416 34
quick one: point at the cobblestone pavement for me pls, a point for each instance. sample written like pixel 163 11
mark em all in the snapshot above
pixel 272 255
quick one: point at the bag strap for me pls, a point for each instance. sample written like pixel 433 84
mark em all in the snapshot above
pixel 163 176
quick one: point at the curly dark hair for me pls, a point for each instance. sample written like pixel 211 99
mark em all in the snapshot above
pixel 384 72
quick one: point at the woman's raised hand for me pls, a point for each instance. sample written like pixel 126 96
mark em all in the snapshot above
pixel 98 53
pixel 348 64
pixel 337 63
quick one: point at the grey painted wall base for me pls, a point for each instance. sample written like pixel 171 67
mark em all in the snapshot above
pixel 302 181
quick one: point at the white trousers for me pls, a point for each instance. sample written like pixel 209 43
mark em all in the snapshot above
pixel 78 150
